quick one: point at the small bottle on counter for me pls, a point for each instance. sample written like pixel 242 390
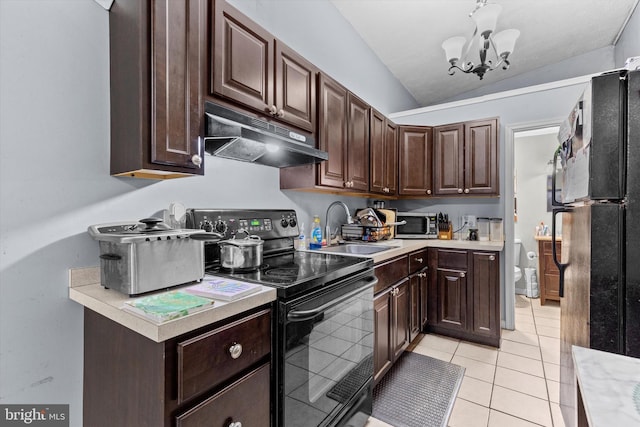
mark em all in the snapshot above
pixel 316 234
pixel 301 244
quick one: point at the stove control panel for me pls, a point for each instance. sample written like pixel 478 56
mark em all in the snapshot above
pixel 268 224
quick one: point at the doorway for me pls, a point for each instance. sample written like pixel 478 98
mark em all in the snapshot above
pixel 513 133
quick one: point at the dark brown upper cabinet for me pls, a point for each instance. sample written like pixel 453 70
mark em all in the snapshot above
pixel 357 144
pixel 344 134
pixel 254 69
pixel 157 51
pixel 332 132
pixel 383 155
pixel 416 151
pixel 466 158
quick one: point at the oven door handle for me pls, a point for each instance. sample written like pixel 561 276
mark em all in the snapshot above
pixel 302 315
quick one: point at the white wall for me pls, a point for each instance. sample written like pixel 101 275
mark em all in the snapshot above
pixel 531 154
pixel 629 43
pixel 334 47
pixel 54 178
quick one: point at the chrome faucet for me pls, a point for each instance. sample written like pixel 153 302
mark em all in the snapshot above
pixel 326 219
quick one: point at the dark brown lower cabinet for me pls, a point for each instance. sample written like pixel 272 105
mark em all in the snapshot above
pixel 464 291
pixel 391 314
pixel 401 303
pixel 382 355
pixel 189 380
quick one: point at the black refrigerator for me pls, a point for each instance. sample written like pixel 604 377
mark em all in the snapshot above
pixel 598 170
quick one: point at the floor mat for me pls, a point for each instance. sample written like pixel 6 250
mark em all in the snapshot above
pixel 418 391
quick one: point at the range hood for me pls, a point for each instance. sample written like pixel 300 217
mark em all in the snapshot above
pixel 237 136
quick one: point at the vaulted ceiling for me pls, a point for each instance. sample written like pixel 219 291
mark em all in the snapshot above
pixel 407 36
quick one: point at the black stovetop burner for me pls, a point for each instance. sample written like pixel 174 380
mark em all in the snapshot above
pixel 296 272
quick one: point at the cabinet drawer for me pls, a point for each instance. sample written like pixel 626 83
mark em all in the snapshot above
pixel 417 261
pixel 452 259
pixel 206 361
pixel 245 402
pixel 390 272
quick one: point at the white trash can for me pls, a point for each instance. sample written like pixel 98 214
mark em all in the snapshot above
pixel 532 282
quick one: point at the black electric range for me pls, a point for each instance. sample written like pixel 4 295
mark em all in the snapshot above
pixel 323 331
pixel 291 272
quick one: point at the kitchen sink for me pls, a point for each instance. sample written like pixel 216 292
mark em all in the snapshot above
pixel 357 248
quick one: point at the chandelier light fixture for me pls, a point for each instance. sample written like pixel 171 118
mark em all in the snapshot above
pixel 498 46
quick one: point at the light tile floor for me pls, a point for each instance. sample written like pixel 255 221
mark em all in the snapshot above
pixel 516 385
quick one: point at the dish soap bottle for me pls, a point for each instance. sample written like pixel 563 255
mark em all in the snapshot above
pixel 302 239
pixel 316 234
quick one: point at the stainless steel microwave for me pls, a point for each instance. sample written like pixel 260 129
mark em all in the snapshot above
pixel 418 225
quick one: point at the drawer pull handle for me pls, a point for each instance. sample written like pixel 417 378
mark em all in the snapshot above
pixel 492 258
pixel 419 260
pixel 463 275
pixel 236 424
pixel 235 350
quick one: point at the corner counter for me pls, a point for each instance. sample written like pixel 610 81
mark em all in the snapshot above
pixel 85 289
pixel 405 246
pixel 608 388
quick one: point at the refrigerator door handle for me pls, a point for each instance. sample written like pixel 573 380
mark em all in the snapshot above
pixel 561 267
pixel 554 201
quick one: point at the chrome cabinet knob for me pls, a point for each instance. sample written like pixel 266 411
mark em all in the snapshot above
pixel 280 113
pixel 463 275
pixel 459 190
pixel 428 191
pixel 235 350
pixel 419 260
pixel 196 160
pixel 466 191
pixel 492 258
pixel 273 110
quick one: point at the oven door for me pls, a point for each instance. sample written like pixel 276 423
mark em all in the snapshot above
pixel 328 355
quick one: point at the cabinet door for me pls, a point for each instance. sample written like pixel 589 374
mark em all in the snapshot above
pixel 415 161
pixel 391 158
pixel 332 132
pixel 448 159
pixel 486 293
pixel 424 307
pixel 383 149
pixel 377 152
pixel 177 60
pixel 382 348
pixel 357 144
pixel 242 62
pixel 452 299
pixel 295 86
pixel 481 157
pixel 400 323
pixel 414 306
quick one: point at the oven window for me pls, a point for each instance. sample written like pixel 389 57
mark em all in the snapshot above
pixel 328 359
pixel 414 225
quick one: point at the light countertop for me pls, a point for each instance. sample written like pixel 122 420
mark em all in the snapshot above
pixel 85 289
pixel 609 385
pixel 405 246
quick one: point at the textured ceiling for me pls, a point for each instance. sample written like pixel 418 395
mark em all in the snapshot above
pixel 407 36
